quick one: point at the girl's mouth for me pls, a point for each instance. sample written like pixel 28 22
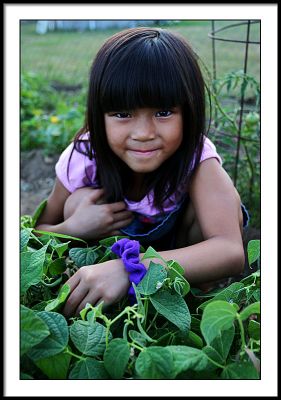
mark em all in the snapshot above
pixel 143 153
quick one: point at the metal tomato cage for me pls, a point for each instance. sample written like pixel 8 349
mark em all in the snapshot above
pixel 214 36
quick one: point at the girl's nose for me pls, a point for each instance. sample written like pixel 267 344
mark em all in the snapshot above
pixel 144 129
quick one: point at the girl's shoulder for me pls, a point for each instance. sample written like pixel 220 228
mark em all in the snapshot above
pixel 74 168
pixel 209 151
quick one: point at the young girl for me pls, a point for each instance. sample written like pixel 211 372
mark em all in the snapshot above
pixel 143 167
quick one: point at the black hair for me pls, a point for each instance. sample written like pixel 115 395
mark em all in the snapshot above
pixel 145 67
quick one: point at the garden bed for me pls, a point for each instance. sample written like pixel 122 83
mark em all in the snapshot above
pixel 172 331
pixel 37 177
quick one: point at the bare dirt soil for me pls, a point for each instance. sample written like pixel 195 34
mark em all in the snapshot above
pixel 37 177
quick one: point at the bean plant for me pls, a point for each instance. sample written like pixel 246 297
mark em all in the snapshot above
pixel 173 331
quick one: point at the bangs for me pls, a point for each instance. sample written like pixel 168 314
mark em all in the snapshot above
pixel 145 76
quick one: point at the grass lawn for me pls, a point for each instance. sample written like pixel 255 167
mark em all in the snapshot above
pixel 66 56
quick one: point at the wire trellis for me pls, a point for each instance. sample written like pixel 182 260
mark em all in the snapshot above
pixel 214 36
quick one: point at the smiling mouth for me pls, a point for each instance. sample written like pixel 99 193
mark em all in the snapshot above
pixel 143 153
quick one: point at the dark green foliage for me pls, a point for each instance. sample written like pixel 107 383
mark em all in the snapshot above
pixel 172 332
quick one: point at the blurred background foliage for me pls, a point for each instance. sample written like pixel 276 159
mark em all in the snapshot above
pixel 54 77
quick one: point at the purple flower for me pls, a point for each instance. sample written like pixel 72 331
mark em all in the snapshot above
pixel 129 250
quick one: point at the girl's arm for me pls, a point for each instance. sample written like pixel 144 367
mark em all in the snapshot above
pixel 91 217
pixel 218 209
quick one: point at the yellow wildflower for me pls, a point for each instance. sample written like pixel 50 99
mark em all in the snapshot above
pixel 54 119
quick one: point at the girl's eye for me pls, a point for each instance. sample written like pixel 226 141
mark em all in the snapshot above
pixel 122 115
pixel 163 113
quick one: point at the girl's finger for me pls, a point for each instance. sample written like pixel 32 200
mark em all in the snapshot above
pixel 73 281
pixel 74 299
pixel 114 233
pixel 121 224
pixel 119 206
pixel 122 215
pixel 96 195
pixel 93 300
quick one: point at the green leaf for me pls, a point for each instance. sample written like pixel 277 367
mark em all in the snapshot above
pixel 108 242
pixel 256 294
pixel 60 299
pixel 88 369
pixel 108 255
pixel 59 235
pixel 23 375
pixel 32 267
pixel 151 253
pixel 185 358
pixel 153 279
pixel 32 329
pixel 253 250
pixel 57 340
pixel 176 272
pixel 38 212
pixel 61 248
pixel 137 337
pixel 24 238
pixel 223 341
pixel 83 256
pixel 217 316
pixel 26 222
pixel 232 294
pixel 253 308
pixel 252 278
pixel 195 340
pixel 175 269
pixel 181 286
pixel 55 367
pixel 254 329
pixel 118 349
pixel 154 362
pixel 173 307
pixel 57 266
pixel 89 338
pixel 240 370
pixel 94 312
pixel 196 292
pixel 212 354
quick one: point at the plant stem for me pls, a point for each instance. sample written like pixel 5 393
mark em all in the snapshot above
pixel 214 362
pixel 152 322
pixel 242 333
pixel 53 284
pixel 145 311
pixel 73 354
pixel 125 329
pixel 142 331
pixel 109 322
pixel 223 112
pixel 136 346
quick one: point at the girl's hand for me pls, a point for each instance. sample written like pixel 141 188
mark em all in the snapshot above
pixel 93 220
pixel 92 284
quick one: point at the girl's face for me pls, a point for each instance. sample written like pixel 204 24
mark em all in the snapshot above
pixel 144 138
